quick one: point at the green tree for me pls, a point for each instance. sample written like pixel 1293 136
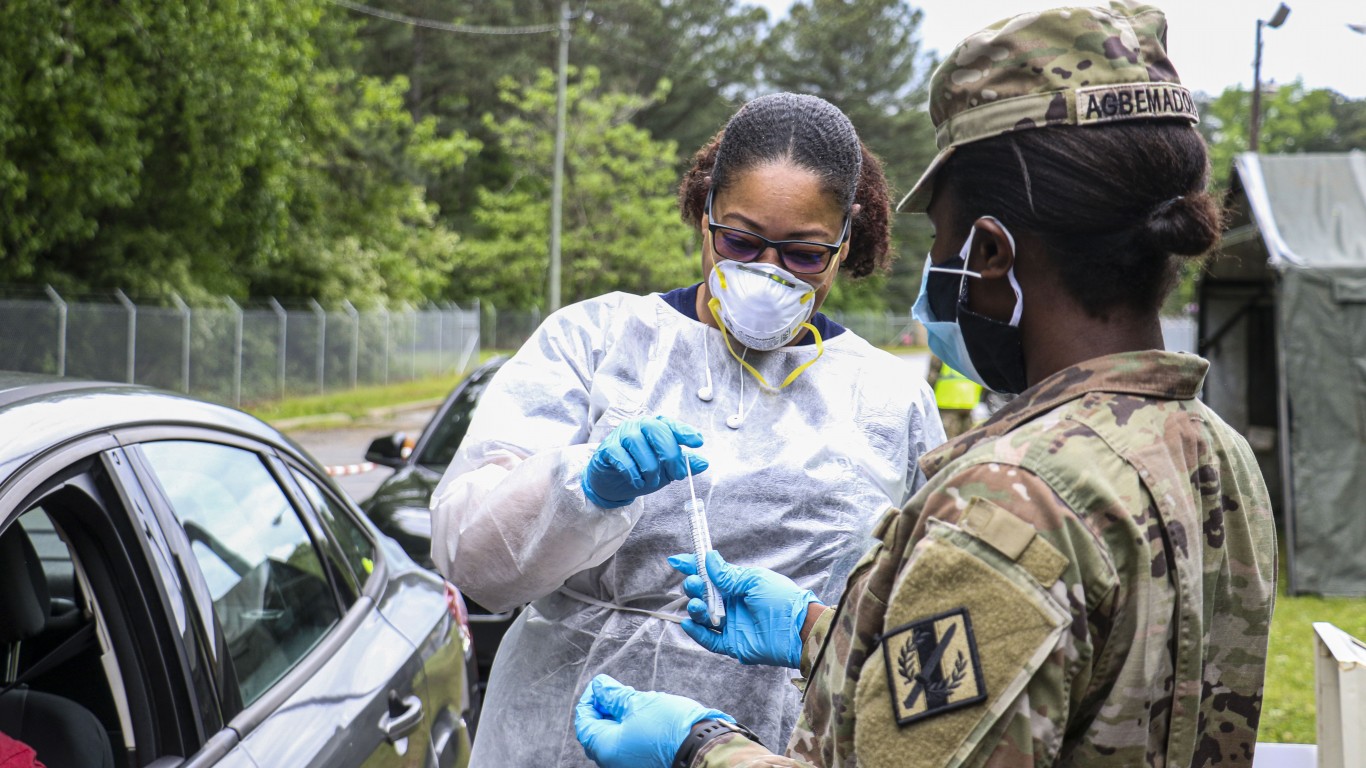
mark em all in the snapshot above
pixel 620 224
pixel 1349 127
pixel 865 58
pixel 1294 119
pixel 707 50
pixel 208 148
pixel 359 225
pixel 144 156
pixel 455 80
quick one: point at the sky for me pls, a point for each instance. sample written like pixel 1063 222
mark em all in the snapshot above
pixel 1211 42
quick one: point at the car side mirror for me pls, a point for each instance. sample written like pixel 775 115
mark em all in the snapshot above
pixel 389 451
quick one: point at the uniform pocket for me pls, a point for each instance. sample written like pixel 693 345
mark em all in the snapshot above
pixel 967 627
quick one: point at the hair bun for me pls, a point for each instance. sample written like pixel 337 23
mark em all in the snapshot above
pixel 1185 225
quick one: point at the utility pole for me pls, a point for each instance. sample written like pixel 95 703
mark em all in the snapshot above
pixel 556 192
pixel 1277 19
pixel 557 180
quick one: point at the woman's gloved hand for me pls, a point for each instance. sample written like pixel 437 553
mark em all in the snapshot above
pixel 620 727
pixel 640 456
pixel 764 612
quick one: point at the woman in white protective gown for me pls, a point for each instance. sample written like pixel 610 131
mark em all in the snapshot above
pixel 570 487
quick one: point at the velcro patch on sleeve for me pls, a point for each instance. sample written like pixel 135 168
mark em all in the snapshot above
pixel 935 666
pixel 1015 539
pixel 1010 535
pixel 969 629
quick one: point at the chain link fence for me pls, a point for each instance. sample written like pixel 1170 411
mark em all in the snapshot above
pixel 883 329
pixel 264 350
pixel 507 330
pixel 234 353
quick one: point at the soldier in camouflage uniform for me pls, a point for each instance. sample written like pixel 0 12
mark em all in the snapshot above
pixel 1088 578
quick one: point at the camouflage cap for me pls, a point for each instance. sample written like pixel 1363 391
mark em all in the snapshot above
pixel 1065 66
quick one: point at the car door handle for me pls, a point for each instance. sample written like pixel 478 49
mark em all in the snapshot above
pixel 403 717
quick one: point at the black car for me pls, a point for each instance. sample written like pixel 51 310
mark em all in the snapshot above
pixel 182 585
pixel 399 507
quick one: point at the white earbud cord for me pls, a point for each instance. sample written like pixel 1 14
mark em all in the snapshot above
pixel 705 393
pixel 735 421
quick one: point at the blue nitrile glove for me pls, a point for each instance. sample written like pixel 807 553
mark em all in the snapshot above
pixel 764 612
pixel 640 456
pixel 620 727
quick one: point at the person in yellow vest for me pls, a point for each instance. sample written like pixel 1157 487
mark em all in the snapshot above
pixel 956 396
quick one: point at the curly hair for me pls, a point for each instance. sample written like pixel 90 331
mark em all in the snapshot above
pixel 812 134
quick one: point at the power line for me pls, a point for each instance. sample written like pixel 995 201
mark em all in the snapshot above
pixel 557 187
pixel 464 29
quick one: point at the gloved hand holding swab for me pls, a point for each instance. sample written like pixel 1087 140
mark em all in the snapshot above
pixel 701 544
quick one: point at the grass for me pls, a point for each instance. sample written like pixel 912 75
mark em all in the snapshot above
pixel 354 402
pixel 1288 703
pixel 357 403
pixel 898 349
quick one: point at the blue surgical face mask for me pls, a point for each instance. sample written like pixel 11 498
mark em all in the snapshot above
pixel 985 350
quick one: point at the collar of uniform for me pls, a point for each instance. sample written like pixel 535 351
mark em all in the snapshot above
pixel 1151 373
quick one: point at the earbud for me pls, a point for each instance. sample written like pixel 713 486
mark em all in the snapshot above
pixel 704 394
pixel 734 421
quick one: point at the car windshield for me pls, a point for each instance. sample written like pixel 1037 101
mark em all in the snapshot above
pixel 446 434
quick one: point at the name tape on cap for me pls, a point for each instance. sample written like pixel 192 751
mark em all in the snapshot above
pixel 1106 103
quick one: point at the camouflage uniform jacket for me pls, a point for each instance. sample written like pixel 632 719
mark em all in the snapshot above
pixel 1087 580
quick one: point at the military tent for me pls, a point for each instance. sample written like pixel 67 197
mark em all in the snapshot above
pixel 1283 322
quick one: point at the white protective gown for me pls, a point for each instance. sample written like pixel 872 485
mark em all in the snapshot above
pixel 796 488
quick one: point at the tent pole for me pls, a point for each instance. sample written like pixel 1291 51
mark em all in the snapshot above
pixel 1201 302
pixel 1203 344
pixel 1283 444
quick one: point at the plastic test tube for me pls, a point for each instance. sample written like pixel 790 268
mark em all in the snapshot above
pixel 701 543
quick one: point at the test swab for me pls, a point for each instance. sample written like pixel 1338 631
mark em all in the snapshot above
pixel 701 544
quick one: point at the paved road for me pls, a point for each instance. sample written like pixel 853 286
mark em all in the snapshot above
pixel 341 446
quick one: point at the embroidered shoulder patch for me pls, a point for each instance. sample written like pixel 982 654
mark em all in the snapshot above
pixel 933 667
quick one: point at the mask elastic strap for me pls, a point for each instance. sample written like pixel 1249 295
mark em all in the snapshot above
pixel 1014 284
pixel 966 253
pixel 965 272
pixel 1010 275
pixel 738 418
pixel 1019 298
pixel 715 305
pixel 820 350
pixel 963 254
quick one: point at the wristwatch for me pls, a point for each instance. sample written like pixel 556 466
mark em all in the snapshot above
pixel 703 732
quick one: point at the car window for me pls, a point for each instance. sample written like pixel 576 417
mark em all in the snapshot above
pixel 52 553
pixel 265 577
pixel 446 434
pixel 355 545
